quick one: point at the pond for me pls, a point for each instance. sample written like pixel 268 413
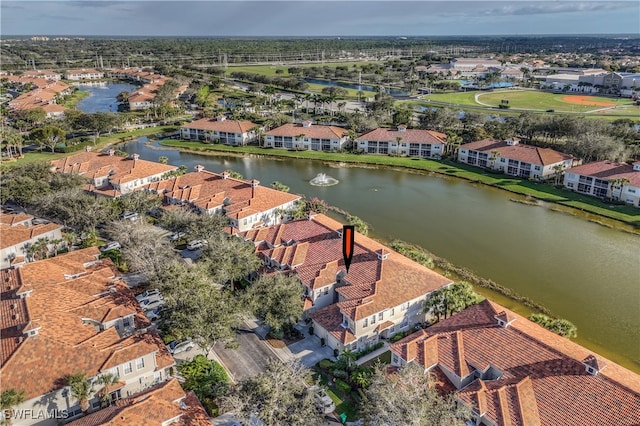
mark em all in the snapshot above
pixel 581 271
pixel 102 96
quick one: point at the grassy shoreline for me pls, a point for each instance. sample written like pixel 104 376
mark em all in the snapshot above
pixel 621 217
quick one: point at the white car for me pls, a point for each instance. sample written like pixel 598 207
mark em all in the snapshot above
pixel 151 304
pixel 129 216
pixel 153 315
pixel 178 346
pixel 148 295
pixel 111 245
pixel 324 403
pixel 176 236
pixel 196 244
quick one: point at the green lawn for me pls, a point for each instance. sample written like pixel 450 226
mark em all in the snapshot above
pixel 102 142
pixel 541 191
pixel 534 100
pixel 270 70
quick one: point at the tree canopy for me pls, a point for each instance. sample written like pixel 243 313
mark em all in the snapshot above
pixel 276 299
pixel 277 396
pixel 408 397
pixel 449 300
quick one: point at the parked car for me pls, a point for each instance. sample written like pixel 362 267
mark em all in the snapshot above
pixel 178 346
pixel 196 244
pixel 324 403
pixel 176 236
pixel 151 304
pixel 148 294
pixel 111 245
pixel 154 315
pixel 129 216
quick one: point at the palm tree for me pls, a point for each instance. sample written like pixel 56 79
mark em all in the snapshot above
pixel 9 398
pixel 56 245
pixel 81 389
pixel 494 156
pixel 106 380
pixel 558 168
pixel 260 133
pixel 299 138
pixel 619 183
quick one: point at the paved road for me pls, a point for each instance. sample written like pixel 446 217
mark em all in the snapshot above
pixel 249 359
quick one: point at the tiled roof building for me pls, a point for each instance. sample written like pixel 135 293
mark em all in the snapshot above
pixel 307 136
pixel 246 203
pixel 18 233
pixel 512 158
pixel 228 132
pixel 112 175
pixel 403 141
pixel 381 294
pixel 606 179
pixel 72 314
pixel 514 372
pixel 166 403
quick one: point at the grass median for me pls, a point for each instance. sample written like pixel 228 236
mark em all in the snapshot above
pixel 538 190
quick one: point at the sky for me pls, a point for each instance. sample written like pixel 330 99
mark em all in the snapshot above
pixel 318 18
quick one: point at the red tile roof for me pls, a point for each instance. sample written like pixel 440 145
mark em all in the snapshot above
pixel 155 406
pixel 525 153
pixel 408 136
pixel 313 131
pixel 209 190
pixel 14 219
pixel 372 284
pixel 229 126
pixel 65 290
pixel 608 170
pixel 16 234
pixel 542 377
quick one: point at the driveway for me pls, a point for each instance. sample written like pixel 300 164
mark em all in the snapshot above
pixel 249 359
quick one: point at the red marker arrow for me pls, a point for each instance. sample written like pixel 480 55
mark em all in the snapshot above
pixel 347 244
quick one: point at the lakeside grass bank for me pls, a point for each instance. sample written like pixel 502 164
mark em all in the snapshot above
pixel 618 216
pixel 102 142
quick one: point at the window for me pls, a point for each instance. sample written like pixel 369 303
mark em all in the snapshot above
pixel 126 322
pixel 404 306
pixel 366 323
pixel 405 322
pixel 381 316
pixel 373 319
pixel 393 311
pixel 631 191
pixel 139 363
pixel 537 167
pixel 128 368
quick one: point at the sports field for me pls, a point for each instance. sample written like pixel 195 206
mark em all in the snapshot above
pixel 536 100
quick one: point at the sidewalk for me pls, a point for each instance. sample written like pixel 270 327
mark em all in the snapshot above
pixel 374 354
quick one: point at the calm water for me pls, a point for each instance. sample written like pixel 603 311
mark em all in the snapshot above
pixel 102 98
pixel 584 272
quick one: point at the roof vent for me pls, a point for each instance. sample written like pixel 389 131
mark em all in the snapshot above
pixel 199 168
pixel 402 128
pixel 512 141
pixel 306 123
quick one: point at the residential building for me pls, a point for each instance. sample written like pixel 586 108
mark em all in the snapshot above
pixel 73 314
pixel 144 97
pixel 307 136
pixel 45 94
pixel 403 141
pixel 511 371
pixel 112 175
pixel 164 404
pixel 514 159
pixel 228 132
pixel 84 74
pixel 46 74
pixel 606 179
pixel 19 233
pixel 247 204
pixel 381 294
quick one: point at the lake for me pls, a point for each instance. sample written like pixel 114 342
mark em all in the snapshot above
pixel 581 271
pixel 102 96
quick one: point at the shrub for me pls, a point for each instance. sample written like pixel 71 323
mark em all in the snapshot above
pixel 343 386
pixel 326 364
pixel 340 374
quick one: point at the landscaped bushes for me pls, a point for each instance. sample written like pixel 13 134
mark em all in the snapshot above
pixel 369 350
pixel 343 386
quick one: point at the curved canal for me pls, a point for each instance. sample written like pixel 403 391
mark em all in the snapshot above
pixel 581 271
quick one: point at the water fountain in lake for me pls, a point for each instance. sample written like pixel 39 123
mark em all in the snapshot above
pixel 323 180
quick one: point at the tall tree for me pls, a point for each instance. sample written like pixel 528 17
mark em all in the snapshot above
pixel 49 136
pixel 139 202
pixel 9 399
pixel 106 380
pixel 81 389
pixel 408 397
pixel 196 307
pixel 277 396
pixel 449 300
pixel 230 259
pixel 277 300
